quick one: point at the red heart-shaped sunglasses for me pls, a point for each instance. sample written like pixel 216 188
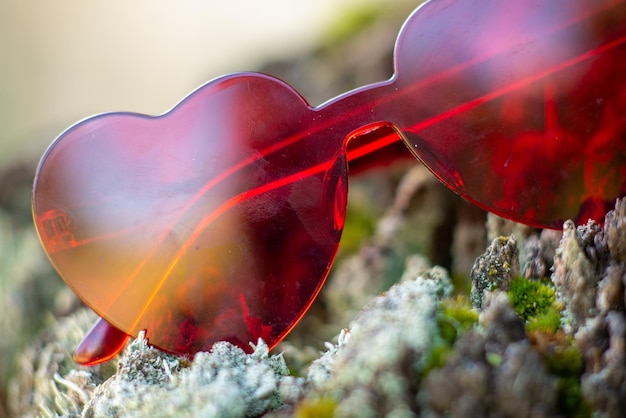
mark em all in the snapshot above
pixel 220 219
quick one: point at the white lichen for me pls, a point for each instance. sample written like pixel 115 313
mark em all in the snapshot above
pixel 384 351
pixel 225 382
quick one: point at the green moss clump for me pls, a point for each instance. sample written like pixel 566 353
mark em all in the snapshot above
pixel 436 357
pixel 460 310
pixel 494 359
pixel 455 317
pixel 571 400
pixel 316 408
pixel 565 361
pixel 547 322
pixel 531 298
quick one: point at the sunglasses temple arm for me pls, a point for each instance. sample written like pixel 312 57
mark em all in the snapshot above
pixel 101 344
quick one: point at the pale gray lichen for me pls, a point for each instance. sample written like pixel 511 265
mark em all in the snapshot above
pixel 48 382
pixel 538 254
pixel 615 227
pixel 604 382
pixel 590 276
pixel 28 291
pixel 523 387
pixel 535 248
pixel 224 382
pixel 461 387
pixel 494 269
pixel 320 370
pixel 376 365
pixel 578 263
pixel 501 324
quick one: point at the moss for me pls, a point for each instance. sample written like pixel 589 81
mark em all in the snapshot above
pixel 567 363
pixel 493 359
pixel 564 360
pixel 548 322
pixel 436 357
pixel 571 400
pixel 460 310
pixel 316 408
pixel 531 298
pixel 535 302
pixel 454 318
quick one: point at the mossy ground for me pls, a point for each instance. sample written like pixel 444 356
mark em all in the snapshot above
pixel 531 298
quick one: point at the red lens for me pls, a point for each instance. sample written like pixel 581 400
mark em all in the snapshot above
pixel 518 106
pixel 217 221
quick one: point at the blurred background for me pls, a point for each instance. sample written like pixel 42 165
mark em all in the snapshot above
pixel 64 60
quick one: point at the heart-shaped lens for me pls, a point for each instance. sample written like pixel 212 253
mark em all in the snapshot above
pixel 518 106
pixel 220 220
pixel 217 221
